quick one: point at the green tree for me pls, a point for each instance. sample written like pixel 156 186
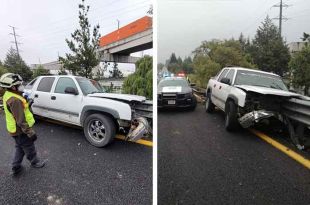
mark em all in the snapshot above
pixel 306 37
pixel 187 65
pixel 115 72
pixel 160 66
pixel 141 82
pixel 3 70
pixel 83 57
pixel 15 64
pixel 204 69
pixel 173 58
pixel 40 70
pixel 269 51
pixel 173 63
pixel 300 69
pixel 213 55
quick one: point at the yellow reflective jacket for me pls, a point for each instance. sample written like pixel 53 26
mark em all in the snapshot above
pixel 10 120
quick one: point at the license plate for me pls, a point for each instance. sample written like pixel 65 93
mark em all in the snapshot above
pixel 171 102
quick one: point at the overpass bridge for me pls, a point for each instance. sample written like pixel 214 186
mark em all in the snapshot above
pixel 134 37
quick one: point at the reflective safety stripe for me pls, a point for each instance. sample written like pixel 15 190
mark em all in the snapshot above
pixel 10 120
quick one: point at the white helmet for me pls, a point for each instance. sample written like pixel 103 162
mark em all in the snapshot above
pixel 8 80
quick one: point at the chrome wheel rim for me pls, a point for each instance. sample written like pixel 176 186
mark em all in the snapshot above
pixel 96 130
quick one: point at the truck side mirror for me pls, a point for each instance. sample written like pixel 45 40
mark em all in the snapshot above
pixel 193 84
pixel 71 90
pixel 225 81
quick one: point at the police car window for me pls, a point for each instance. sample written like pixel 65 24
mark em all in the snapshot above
pixel 63 83
pixel 222 75
pixel 230 75
pixel 45 84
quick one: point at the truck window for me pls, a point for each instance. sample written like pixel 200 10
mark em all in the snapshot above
pixel 230 75
pixel 63 83
pixel 30 85
pixel 223 74
pixel 45 84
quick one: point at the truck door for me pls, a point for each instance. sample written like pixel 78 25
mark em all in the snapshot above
pixel 41 96
pixel 217 89
pixel 66 106
pixel 224 89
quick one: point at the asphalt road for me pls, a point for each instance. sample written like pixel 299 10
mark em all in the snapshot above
pixel 200 163
pixel 76 172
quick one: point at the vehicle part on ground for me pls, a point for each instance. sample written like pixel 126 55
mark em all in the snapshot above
pixel 139 128
pixel 253 117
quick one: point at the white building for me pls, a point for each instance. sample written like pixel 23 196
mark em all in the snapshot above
pixel 296 46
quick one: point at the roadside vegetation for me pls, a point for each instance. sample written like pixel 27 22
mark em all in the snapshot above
pixel 141 82
pixel 267 51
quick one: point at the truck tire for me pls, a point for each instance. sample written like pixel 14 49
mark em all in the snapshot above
pixel 231 121
pixel 99 130
pixel 209 105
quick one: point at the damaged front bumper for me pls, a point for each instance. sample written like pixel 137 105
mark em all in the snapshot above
pixel 253 117
pixel 139 128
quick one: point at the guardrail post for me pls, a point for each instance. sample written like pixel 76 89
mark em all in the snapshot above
pixel 296 133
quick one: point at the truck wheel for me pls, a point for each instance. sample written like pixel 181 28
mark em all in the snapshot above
pixel 231 121
pixel 99 130
pixel 209 105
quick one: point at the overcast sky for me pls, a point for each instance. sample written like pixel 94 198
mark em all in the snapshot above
pixel 183 24
pixel 44 25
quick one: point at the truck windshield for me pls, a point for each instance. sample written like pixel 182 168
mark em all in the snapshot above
pixel 89 86
pixel 245 77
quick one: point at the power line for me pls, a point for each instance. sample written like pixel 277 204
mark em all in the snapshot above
pixel 15 41
pixel 281 18
pixel 123 11
pixel 91 11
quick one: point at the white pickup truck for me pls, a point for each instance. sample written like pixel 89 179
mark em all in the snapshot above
pixel 246 96
pixel 83 102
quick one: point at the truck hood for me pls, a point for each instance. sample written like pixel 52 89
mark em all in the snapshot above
pixel 121 97
pixel 267 91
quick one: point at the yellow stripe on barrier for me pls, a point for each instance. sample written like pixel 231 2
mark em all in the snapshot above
pixel 283 148
pixel 143 142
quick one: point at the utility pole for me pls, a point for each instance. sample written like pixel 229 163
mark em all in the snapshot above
pixel 117 24
pixel 280 18
pixel 15 41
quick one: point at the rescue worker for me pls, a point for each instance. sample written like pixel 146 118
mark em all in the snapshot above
pixel 19 122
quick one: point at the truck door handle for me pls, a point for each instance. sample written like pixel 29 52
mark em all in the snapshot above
pixel 53 97
pixel 36 95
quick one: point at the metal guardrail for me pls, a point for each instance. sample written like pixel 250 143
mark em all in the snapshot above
pixel 200 93
pixel 298 110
